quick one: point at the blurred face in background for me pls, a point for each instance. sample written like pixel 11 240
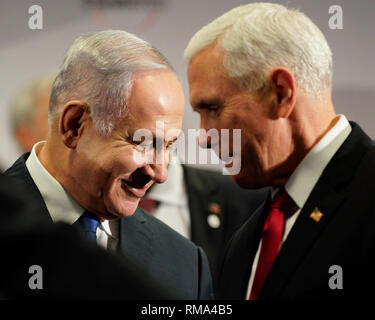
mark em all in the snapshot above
pixel 35 130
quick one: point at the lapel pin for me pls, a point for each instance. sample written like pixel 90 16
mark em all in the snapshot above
pixel 316 215
pixel 213 219
pixel 214 208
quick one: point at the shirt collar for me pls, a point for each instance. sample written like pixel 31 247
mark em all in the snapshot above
pixel 171 191
pixel 308 172
pixel 60 204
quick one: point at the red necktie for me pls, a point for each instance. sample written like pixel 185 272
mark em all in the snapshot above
pixel 147 204
pixel 271 238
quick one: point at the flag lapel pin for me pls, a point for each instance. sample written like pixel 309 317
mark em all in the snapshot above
pixel 316 215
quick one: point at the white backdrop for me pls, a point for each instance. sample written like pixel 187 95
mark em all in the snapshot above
pixel 26 53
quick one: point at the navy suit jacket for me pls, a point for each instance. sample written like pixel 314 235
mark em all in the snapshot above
pixel 344 237
pixel 161 252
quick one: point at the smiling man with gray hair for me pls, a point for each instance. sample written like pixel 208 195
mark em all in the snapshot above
pixel 267 70
pixel 89 172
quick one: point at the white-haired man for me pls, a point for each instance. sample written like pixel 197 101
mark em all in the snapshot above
pixel 91 172
pixel 267 69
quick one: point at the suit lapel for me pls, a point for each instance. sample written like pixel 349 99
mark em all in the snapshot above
pixel 136 238
pixel 243 247
pixel 301 238
pixel 331 190
pixel 21 176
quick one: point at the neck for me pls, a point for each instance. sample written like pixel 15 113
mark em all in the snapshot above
pixel 308 124
pixel 52 157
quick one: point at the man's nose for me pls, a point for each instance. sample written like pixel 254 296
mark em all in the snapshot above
pixel 204 140
pixel 157 172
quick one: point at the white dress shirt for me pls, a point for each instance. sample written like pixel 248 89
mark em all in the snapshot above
pixel 304 178
pixel 61 205
pixel 173 208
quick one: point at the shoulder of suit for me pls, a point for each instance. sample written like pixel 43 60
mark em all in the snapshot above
pixel 18 166
pixel 198 171
pixel 18 172
pixel 207 178
pixel 366 168
pixel 163 230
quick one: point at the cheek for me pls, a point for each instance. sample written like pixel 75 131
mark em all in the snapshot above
pixel 231 119
pixel 99 169
pixel 123 163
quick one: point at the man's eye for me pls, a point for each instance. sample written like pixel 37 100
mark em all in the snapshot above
pixel 143 145
pixel 170 145
pixel 213 109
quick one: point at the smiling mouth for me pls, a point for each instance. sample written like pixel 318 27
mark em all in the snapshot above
pixel 130 184
pixel 138 184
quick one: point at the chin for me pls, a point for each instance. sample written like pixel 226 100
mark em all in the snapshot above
pixel 120 207
pixel 110 216
pixel 123 210
pixel 119 202
pixel 240 181
pixel 248 181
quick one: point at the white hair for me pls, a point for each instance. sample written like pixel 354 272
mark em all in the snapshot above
pixel 24 104
pixel 98 69
pixel 258 37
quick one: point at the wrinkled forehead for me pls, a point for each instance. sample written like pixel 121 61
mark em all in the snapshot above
pixel 208 80
pixel 156 105
pixel 210 60
pixel 156 92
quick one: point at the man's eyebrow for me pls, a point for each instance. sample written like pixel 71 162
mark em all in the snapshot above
pixel 154 139
pixel 169 142
pixel 205 103
pixel 173 140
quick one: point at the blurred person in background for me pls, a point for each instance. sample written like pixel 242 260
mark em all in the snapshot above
pixel 29 112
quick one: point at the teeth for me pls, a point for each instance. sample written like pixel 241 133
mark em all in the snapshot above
pixel 128 183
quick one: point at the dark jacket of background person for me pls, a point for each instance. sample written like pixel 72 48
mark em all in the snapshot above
pixel 211 193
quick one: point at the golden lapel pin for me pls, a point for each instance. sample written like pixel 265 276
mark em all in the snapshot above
pixel 316 215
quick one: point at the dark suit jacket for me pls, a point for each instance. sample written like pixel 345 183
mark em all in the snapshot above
pixel 344 236
pixel 72 267
pixel 207 187
pixel 162 253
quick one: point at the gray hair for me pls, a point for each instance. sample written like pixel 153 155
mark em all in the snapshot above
pixel 98 69
pixel 258 37
pixel 23 106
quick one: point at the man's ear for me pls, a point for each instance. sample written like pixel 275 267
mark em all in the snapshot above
pixel 73 116
pixel 284 92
